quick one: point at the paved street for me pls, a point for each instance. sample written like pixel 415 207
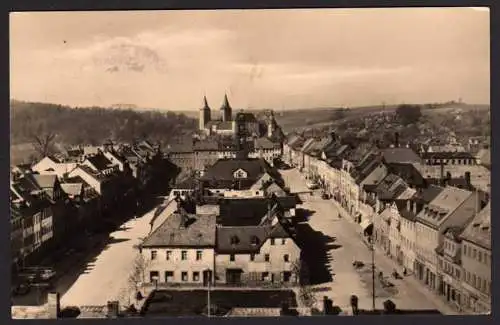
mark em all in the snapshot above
pixel 106 277
pixel 341 245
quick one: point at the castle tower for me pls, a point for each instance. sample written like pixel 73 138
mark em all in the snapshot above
pixel 271 123
pixel 226 110
pixel 204 114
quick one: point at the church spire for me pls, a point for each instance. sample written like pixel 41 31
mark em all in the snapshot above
pixel 205 103
pixel 226 110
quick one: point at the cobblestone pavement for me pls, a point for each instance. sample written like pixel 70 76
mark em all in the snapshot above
pixel 348 246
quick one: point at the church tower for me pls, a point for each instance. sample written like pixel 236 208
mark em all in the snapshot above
pixel 226 110
pixel 204 114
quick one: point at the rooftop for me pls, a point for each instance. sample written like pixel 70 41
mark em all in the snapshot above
pixel 198 231
pixel 479 229
pixel 400 155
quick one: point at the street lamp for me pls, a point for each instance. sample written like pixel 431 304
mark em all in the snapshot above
pixel 208 277
pixel 372 248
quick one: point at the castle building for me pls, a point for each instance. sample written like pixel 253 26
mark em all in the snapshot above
pixel 224 125
pixel 245 125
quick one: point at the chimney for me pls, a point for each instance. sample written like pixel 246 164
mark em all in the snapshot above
pixel 467 179
pixel 53 305
pixel 113 309
pixel 396 139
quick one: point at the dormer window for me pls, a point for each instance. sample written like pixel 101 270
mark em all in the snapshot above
pixel 235 240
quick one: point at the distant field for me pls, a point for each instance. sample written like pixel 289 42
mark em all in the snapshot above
pixel 319 117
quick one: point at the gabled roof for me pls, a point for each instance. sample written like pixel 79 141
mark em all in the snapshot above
pixel 242 212
pixel 243 239
pixel 407 172
pixel 248 239
pixel 45 181
pixel 183 147
pixel 428 194
pixel 100 162
pixel 400 155
pixel 72 188
pixel 200 232
pixel 478 231
pixel 224 169
pixel 265 143
pixel 443 205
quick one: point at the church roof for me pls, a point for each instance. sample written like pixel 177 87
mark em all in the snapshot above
pixel 225 103
pixel 205 103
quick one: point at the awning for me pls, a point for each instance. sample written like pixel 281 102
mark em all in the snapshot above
pixel 365 224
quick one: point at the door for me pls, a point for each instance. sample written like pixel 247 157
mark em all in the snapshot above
pixel 233 276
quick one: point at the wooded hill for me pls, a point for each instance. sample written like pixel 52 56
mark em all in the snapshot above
pixel 93 125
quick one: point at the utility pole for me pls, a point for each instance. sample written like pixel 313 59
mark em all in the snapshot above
pixel 373 273
pixel 208 292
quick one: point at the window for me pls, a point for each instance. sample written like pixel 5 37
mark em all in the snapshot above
pixel 255 241
pixel 283 241
pixel 465 249
pixel 252 257
pixel 480 256
pixel 265 275
pixel 286 258
pixel 231 257
pixel 467 276
pixel 286 276
pixel 153 255
pixel 168 275
pixel 196 276
pixel 457 273
pixel 272 241
pixel 198 255
pixel 266 257
pixel 154 276
pixel 168 256
pixel 184 276
pixel 184 255
pixel 474 253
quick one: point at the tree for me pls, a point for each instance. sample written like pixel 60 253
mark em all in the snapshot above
pixel 408 114
pixel 43 143
pixel 137 276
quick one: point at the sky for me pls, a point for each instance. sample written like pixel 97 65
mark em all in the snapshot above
pixel 281 59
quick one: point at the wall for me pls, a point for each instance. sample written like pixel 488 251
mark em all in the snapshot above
pixel 408 236
pixel 96 185
pixel 252 270
pixel 476 277
pixel 176 264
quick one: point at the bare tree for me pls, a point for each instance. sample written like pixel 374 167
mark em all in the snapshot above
pixel 138 274
pixel 43 143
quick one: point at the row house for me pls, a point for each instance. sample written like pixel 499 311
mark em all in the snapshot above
pixel 291 149
pixel 192 250
pixel 256 256
pixel 448 158
pixel 408 217
pixel 452 207
pixel 49 165
pixel 249 174
pixel 266 149
pixel 476 263
pixel 31 217
pixel 449 269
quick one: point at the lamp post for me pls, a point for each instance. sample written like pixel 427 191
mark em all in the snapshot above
pixel 209 280
pixel 373 272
